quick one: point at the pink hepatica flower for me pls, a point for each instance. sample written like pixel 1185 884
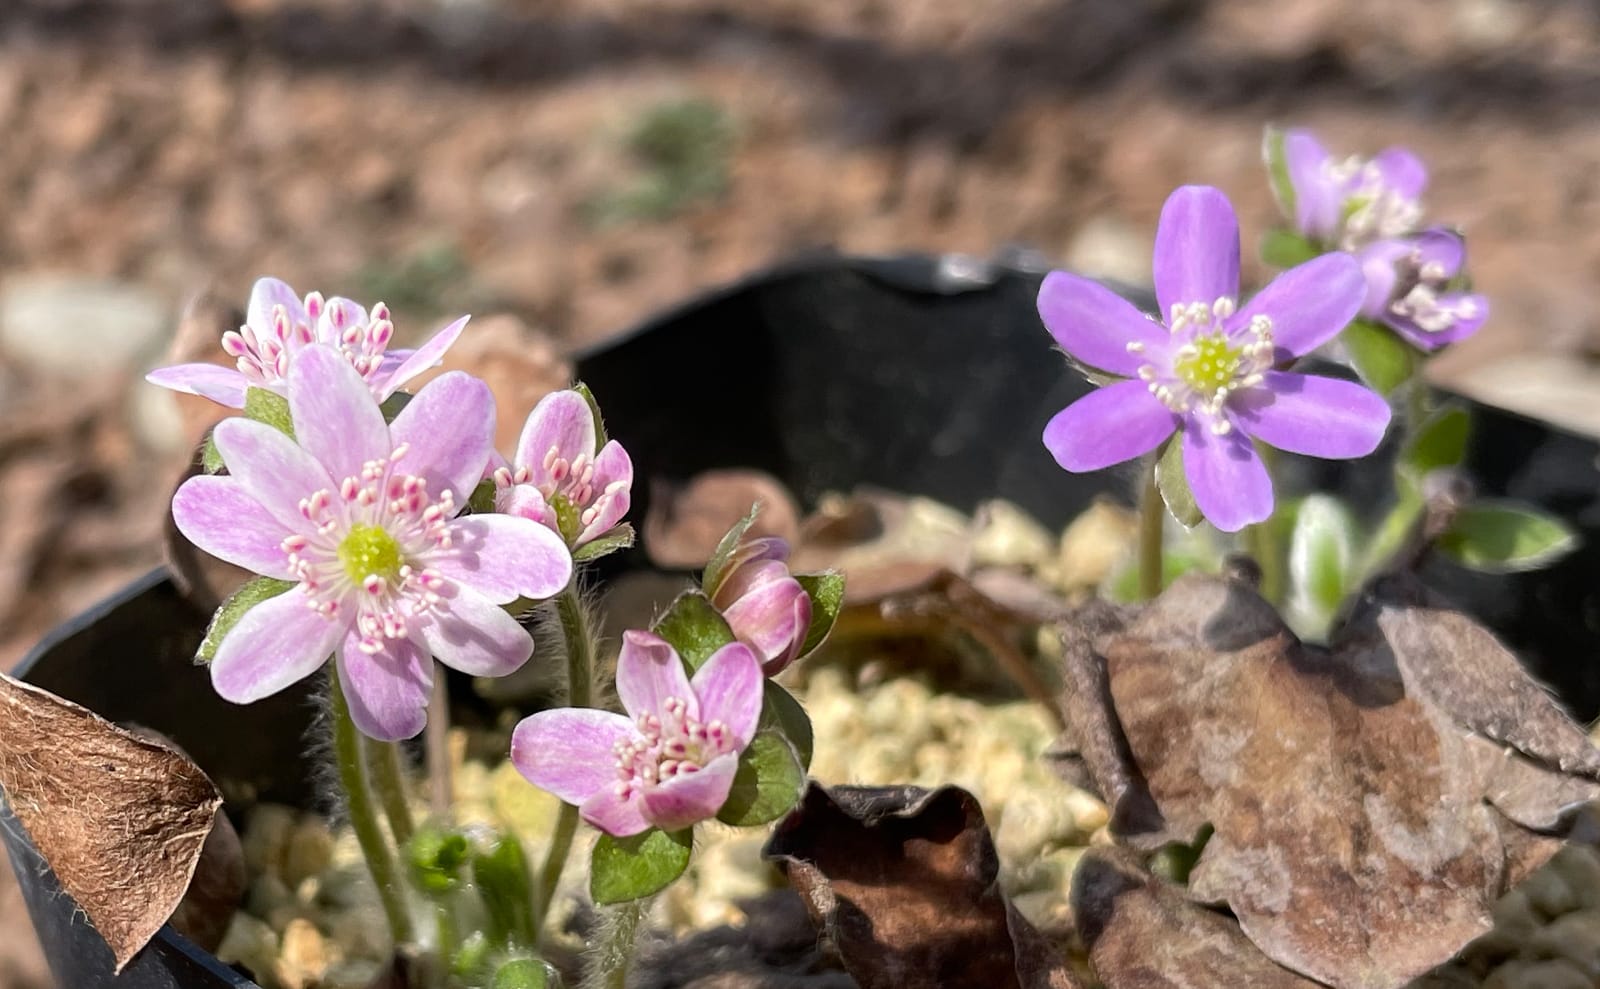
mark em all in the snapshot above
pixel 1345 204
pixel 1409 288
pixel 361 515
pixel 1210 372
pixel 670 761
pixel 279 325
pixel 556 463
pixel 763 604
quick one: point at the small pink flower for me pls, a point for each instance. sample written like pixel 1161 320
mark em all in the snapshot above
pixel 764 605
pixel 279 325
pixel 670 761
pixel 556 466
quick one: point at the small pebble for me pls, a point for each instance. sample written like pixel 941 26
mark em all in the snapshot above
pixel 309 852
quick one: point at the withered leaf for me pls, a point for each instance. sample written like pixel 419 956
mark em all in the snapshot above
pixel 121 819
pixel 903 882
pixel 684 524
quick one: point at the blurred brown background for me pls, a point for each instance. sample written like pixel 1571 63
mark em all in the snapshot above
pixel 575 165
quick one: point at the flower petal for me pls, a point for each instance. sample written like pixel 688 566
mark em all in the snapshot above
pixel 504 557
pixel 336 419
pixel 1197 248
pixel 616 816
pixel 1317 197
pixel 1312 415
pixel 476 636
pixel 1442 247
pixel 768 618
pixel 222 385
pixel 1378 260
pixel 218 515
pixel 1107 426
pixel 1308 304
pixel 561 421
pixel 419 360
pixel 265 296
pixel 387 692
pixel 729 686
pixel 745 565
pixel 1402 171
pixel 1094 325
pixel 613 479
pixel 1229 481
pixel 570 751
pixel 525 502
pixel 1472 311
pixel 448 433
pixel 276 643
pixel 687 798
pixel 338 315
pixel 649 672
pixel 271 468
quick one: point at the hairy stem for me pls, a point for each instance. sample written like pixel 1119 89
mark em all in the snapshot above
pixel 1262 540
pixel 364 817
pixel 579 639
pixel 1152 525
pixel 612 954
pixel 437 737
pixel 389 780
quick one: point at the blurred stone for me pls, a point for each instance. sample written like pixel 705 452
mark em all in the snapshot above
pixel 520 365
pixel 1554 974
pixel 1558 388
pixel 1110 247
pixel 79 327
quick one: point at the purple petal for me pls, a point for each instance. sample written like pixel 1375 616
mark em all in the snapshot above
pixel 476 636
pixel 1313 415
pixel 504 557
pixel 266 295
pixel 1095 325
pixel 1107 426
pixel 688 798
pixel 524 501
pixel 571 751
pixel 338 315
pixel 336 419
pixel 1229 481
pixel 270 468
pixel 649 672
pixel 218 515
pixel 1378 260
pixel 1441 247
pixel 1317 198
pixel 1197 248
pixel 387 692
pixel 448 432
pixel 1308 304
pixel 1463 327
pixel 1402 171
pixel 729 686
pixel 417 361
pixel 612 467
pixel 617 816
pixel 276 643
pixel 767 617
pixel 222 385
pixel 563 421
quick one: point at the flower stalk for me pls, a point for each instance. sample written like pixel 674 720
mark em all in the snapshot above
pixel 1152 530
pixel 579 639
pixel 388 780
pixel 364 817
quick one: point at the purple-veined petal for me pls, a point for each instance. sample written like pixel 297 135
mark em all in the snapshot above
pixel 1402 171
pixel 1312 415
pixel 219 515
pixel 570 751
pixel 265 296
pixel 1107 426
pixel 271 468
pixel 687 798
pixel 767 617
pixel 387 692
pixel 338 315
pixel 616 816
pixel 1443 248
pixel 613 479
pixel 1317 198
pixel 503 557
pixel 744 563
pixel 1229 481
pixel 448 433
pixel 389 379
pixel 472 634
pixel 222 385
pixel 1095 325
pixel 1197 249
pixel 649 673
pixel 525 502
pixel 1472 311
pixel 276 643
pixel 562 421
pixel 336 419
pixel 1308 304
pixel 729 686
pixel 1378 260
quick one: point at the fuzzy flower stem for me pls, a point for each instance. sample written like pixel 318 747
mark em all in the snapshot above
pixel 437 734
pixel 388 779
pixel 364 817
pixel 1152 521
pixel 612 953
pixel 1263 543
pixel 579 638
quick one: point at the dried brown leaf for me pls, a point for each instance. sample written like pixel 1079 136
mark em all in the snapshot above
pixel 120 819
pixel 684 525
pixel 903 882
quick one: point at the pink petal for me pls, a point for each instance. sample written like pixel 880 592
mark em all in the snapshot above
pixel 649 672
pixel 1229 481
pixel 1309 304
pixel 419 360
pixel 387 692
pixel 218 515
pixel 525 502
pixel 766 617
pixel 616 816
pixel 562 420
pixel 729 686
pixel 338 315
pixel 276 643
pixel 688 798
pixel 773 665
pixel 1312 415
pixel 743 565
pixel 748 575
pixel 476 636
pixel 336 419
pixel 222 385
pixel 266 295
pixel 448 433
pixel 504 557
pixel 1197 248
pixel 1094 325
pixel 1317 198
pixel 1107 426
pixel 271 468
pixel 570 751
pixel 612 466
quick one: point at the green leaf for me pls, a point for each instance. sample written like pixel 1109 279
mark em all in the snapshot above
pixel 522 973
pixel 694 627
pixel 1437 442
pixel 718 564
pixel 502 877
pixel 470 964
pixel 568 519
pixel 1322 551
pixel 1382 359
pixel 435 857
pixel 624 869
pixel 246 597
pixel 1123 586
pixel 1285 249
pixel 768 783
pixel 1277 163
pixel 600 436
pixel 268 407
pixel 780 711
pixel 1174 485
pixel 827 598
pixel 1505 537
pixel 211 457
pixel 481 501
pixel 620 537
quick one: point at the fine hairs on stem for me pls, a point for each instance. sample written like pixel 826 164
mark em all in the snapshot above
pixel 1152 526
pixel 610 955
pixel 437 744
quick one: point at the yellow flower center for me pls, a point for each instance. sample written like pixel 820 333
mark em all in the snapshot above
pixel 1209 364
pixel 367 550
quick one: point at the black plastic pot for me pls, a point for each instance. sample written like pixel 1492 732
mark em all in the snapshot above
pixel 927 375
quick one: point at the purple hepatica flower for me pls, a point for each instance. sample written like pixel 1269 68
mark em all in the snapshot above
pixel 1211 371
pixel 556 462
pixel 279 325
pixel 361 515
pixel 765 606
pixel 1345 204
pixel 670 761
pixel 1408 288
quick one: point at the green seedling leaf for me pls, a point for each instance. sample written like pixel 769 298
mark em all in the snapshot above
pixel 481 501
pixel 619 538
pixel 211 457
pixel 435 857
pixel 1277 162
pixel 600 435
pixel 768 784
pixel 827 598
pixel 1286 249
pixel 1174 485
pixel 716 567
pixel 624 869
pixel 1506 537
pixel 268 407
pixel 470 963
pixel 781 712
pixel 1439 441
pixel 1123 587
pixel 1322 556
pixel 500 872
pixel 522 973
pixel 1382 359
pixel 694 627
pixel 246 597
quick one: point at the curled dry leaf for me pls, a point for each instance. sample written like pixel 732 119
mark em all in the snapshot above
pixel 121 819
pixel 903 883
pixel 685 524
